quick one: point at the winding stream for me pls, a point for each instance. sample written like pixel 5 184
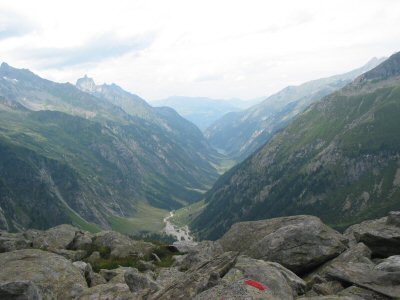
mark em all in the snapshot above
pixel 180 233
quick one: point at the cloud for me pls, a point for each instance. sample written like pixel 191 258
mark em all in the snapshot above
pixel 14 25
pixel 96 49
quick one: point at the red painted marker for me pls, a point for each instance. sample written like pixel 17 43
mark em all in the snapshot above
pixel 256 284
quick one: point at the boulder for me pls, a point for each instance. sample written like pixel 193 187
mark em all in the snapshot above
pixel 380 235
pixel 81 241
pixel 120 245
pixel 197 278
pixel 109 274
pixel 280 282
pixel 70 254
pixel 393 218
pixel 202 252
pixel 119 291
pixel 331 297
pixel 58 237
pixel 137 282
pixel 390 264
pixel 55 276
pixel 236 290
pixel 363 293
pixel 299 243
pixel 91 277
pixel 13 241
pixel 365 275
pixel 168 275
pixel 357 253
pixel 20 289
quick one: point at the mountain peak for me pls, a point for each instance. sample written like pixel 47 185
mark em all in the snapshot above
pixel 390 68
pixel 86 84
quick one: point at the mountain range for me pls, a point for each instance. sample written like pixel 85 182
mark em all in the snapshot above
pixel 338 160
pixel 203 111
pixel 88 155
pixel 239 134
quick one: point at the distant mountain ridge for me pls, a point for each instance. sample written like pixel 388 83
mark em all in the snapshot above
pixel 239 134
pixel 89 158
pixel 203 111
pixel 339 160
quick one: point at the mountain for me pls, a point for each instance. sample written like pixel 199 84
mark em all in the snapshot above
pixel 239 134
pixel 201 111
pixel 339 160
pixel 90 158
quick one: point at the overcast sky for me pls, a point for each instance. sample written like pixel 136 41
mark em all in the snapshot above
pixel 213 48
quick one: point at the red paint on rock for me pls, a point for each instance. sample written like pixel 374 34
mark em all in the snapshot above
pixel 256 284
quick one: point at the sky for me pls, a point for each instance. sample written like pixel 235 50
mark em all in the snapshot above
pixel 214 48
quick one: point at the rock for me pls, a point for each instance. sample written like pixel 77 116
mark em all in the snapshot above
pixel 94 257
pixel 393 218
pixel 390 264
pixel 299 243
pixel 185 246
pixel 364 275
pixel 168 275
pixel 119 291
pixel 87 272
pixel 236 290
pixel 202 252
pixel 331 297
pixel 363 293
pixel 58 237
pixel 196 278
pixel 13 241
pixel 120 245
pixel 70 254
pixel 357 253
pixel 138 282
pixel 119 278
pixel 281 282
pixel 327 288
pixel 81 241
pixel 382 238
pixel 145 266
pixel 21 289
pixel 55 276
pixel 97 279
pixel 109 274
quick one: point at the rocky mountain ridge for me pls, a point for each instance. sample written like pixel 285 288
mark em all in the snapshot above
pixel 287 258
pixel 239 134
pixel 68 156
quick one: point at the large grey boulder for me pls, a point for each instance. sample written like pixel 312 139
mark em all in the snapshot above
pixel 121 245
pixel 364 294
pixel 198 278
pixel 365 275
pixel 58 237
pixel 390 264
pixel 119 291
pixel 382 236
pixel 358 253
pixel 280 282
pixel 299 243
pixel 22 289
pixel 55 276
pixel 236 290
pixel 201 252
pixel 81 241
pixel 13 241
pixel 138 282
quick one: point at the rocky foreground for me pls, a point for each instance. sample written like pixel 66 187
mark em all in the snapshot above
pixel 284 258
